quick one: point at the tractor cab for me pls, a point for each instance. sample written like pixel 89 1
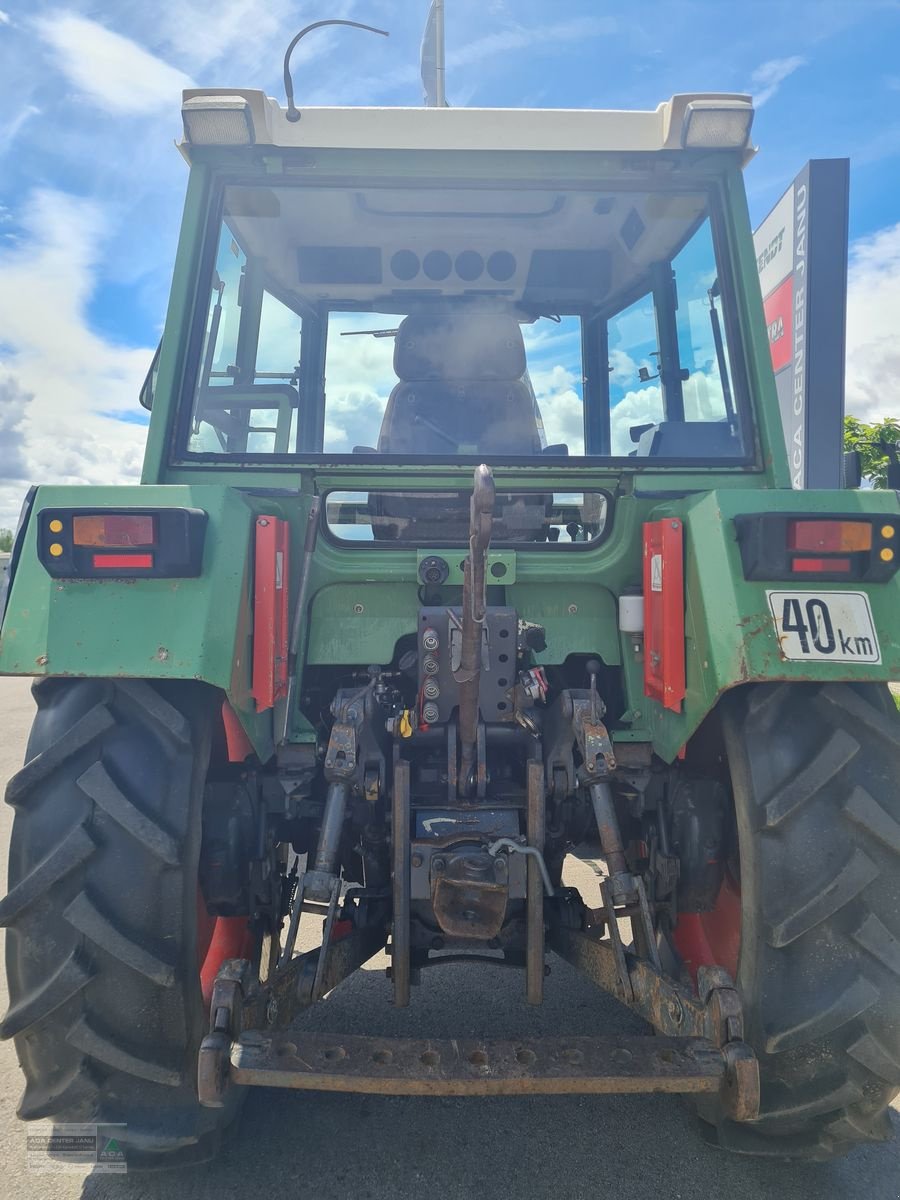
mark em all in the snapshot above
pixel 462 299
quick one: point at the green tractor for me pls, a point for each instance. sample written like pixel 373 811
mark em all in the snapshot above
pixel 465 537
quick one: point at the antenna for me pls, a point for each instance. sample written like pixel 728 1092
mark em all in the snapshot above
pixel 432 57
pixel 292 113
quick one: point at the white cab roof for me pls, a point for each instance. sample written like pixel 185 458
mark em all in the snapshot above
pixel 465 128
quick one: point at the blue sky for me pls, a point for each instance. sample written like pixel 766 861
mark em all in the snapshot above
pixel 91 185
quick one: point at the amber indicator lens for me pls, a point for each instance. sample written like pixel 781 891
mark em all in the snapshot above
pixel 114 529
pixel 829 537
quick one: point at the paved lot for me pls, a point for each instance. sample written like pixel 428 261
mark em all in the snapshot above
pixel 328 1146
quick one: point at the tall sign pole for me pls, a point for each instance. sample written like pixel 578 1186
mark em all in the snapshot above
pixel 801 255
pixel 432 58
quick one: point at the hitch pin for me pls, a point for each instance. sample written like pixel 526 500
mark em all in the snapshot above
pixel 512 847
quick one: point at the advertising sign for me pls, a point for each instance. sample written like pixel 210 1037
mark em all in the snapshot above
pixel 801 256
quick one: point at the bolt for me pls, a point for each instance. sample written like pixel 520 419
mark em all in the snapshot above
pixel 676 1011
pixel 430 640
pixel 674 524
pixel 359 608
pixel 573 609
pixel 437 943
pixel 42 660
pixel 438 864
pixel 262 521
pixel 162 654
pixel 417 860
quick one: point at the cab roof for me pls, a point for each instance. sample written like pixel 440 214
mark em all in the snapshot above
pixel 563 130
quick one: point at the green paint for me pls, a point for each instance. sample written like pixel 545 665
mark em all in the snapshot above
pixel 364 598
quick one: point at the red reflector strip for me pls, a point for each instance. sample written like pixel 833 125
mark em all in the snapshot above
pixel 820 565
pixel 123 562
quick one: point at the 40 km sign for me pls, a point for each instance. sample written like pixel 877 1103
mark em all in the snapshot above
pixel 825 626
pixel 801 257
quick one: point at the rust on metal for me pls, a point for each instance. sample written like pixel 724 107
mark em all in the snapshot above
pixel 715 1015
pixel 414 1067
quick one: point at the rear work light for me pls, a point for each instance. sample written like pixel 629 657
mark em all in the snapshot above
pixel 82 543
pixel 777 546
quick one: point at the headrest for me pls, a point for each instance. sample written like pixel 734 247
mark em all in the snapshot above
pixel 449 346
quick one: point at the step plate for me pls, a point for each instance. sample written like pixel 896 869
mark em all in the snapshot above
pixel 411 1067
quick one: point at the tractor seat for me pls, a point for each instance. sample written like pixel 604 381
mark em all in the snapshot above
pixel 463 390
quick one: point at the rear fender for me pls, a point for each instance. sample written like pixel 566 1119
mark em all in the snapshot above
pixel 730 634
pixel 186 628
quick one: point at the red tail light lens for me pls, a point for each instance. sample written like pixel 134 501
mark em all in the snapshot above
pixel 829 537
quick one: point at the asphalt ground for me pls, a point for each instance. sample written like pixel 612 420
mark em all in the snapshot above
pixel 324 1146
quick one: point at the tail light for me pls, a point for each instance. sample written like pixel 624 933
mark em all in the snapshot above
pixel 777 546
pixel 79 543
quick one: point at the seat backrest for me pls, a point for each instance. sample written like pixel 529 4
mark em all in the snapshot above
pixel 462 389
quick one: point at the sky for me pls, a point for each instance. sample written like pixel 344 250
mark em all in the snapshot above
pixel 91 184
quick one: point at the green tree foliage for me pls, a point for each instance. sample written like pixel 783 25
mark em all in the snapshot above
pixel 6 540
pixel 873 442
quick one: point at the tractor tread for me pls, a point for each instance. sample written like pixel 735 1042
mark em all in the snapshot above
pixel 95 722
pixel 159 712
pixel 86 1039
pixel 874 936
pixel 87 919
pixel 802 1108
pixel 841 702
pixel 858 1127
pixel 97 783
pixel 869 1051
pixel 866 812
pixel 852 879
pixel 106 838
pixel 62 985
pixel 819 824
pixel 75 1094
pixel 74 850
pixel 798 791
pixel 856 999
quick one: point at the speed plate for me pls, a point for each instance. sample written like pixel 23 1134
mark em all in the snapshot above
pixel 825 626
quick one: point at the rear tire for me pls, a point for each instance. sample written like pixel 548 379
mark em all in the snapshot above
pixel 816 780
pixel 102 914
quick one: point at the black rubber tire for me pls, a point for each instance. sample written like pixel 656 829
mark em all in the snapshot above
pixel 816 779
pixel 101 957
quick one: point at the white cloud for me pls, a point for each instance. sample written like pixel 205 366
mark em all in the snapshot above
pixel 111 70
pixel 5 18
pixel 768 78
pixel 641 407
pixel 10 129
pixel 873 341
pixel 521 38
pixel 58 376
